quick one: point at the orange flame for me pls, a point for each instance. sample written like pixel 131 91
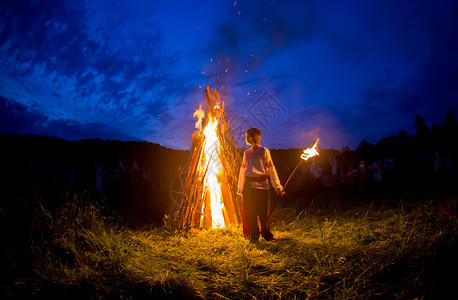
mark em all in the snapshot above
pixel 214 170
pixel 199 114
pixel 310 152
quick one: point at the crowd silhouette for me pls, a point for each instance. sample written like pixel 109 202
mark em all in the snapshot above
pixel 420 166
pixel 133 177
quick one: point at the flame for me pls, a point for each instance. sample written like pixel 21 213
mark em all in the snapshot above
pixel 214 169
pixel 199 114
pixel 310 152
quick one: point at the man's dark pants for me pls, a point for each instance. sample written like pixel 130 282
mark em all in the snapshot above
pixel 257 203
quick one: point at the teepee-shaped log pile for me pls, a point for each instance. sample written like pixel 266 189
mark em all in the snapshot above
pixel 209 195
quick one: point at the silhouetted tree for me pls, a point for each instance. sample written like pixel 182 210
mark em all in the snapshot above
pixel 422 139
pixel 449 134
pixel 363 150
pixel 421 129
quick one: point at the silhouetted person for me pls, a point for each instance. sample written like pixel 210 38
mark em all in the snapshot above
pixel 99 177
pixel 377 176
pixel 361 175
pixel 253 184
pixel 334 165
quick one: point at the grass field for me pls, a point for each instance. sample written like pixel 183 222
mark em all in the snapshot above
pixel 370 249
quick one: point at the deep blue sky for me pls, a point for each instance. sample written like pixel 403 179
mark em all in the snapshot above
pixel 136 70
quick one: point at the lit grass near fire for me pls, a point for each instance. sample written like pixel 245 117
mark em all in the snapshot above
pixel 359 252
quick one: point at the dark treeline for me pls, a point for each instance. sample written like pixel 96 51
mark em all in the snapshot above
pixel 426 159
pixel 138 178
pixel 423 164
pixel 133 177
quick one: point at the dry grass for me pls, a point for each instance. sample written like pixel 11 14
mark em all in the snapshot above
pixel 359 253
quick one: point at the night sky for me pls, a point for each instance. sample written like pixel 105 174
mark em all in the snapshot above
pixel 136 70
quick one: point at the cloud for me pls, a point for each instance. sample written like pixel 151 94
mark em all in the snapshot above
pixel 433 89
pixel 159 109
pixel 94 59
pixel 409 62
pixel 257 30
pixel 430 92
pixel 15 117
pixel 58 35
pixel 74 130
pixel 280 23
pixel 19 118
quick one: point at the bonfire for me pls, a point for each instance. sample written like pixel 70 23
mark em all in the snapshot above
pixel 209 197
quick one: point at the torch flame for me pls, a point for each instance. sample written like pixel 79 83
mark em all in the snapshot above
pixel 310 152
pixel 199 114
pixel 214 169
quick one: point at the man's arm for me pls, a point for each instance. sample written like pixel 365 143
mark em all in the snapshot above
pixel 273 173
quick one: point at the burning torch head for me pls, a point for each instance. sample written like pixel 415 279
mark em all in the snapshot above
pixel 310 152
